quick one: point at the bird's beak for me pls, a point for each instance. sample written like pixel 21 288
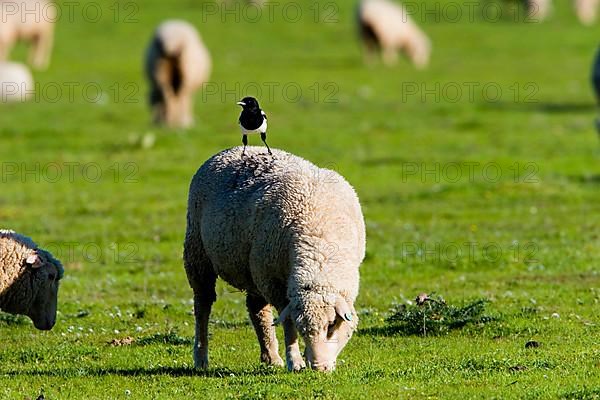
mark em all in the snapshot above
pixel 241 103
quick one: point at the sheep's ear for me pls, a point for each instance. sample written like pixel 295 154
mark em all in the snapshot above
pixel 33 260
pixel 285 313
pixel 343 309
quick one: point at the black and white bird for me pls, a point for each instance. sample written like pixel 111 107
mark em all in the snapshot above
pixel 252 120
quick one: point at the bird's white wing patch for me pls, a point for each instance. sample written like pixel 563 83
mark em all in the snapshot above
pixel 263 127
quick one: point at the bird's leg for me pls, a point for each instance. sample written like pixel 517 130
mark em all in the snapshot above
pixel 263 136
pixel 245 142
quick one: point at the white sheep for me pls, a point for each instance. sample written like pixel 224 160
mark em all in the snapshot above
pixel 386 26
pixel 16 82
pixel 587 10
pixel 29 279
pixel 538 10
pixel 177 64
pixel 31 21
pixel 291 235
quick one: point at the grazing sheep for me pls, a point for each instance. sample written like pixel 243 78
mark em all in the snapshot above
pixel 31 21
pixel 387 27
pixel 587 11
pixel 288 233
pixel 16 82
pixel 29 279
pixel 538 10
pixel 177 64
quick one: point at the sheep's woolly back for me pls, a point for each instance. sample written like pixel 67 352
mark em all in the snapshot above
pixel 181 40
pixel 283 219
pixel 16 82
pixel 14 250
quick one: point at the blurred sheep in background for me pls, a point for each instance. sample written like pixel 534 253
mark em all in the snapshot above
pixel 587 10
pixel 387 28
pixel 538 10
pixel 177 64
pixel 16 82
pixel 30 21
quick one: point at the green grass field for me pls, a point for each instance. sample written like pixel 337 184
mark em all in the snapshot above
pixel 479 177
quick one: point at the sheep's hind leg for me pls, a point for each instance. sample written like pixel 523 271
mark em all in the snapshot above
pixel 293 357
pixel 262 319
pixel 202 279
pixel 202 307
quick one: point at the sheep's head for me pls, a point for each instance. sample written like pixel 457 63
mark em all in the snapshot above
pixel 419 52
pixel 326 323
pixel 44 273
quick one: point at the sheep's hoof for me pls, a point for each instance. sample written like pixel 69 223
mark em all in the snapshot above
pixel 296 365
pixel 201 363
pixel 201 366
pixel 275 360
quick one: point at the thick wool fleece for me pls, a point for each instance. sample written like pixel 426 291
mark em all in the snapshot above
pixel 17 294
pixel 279 227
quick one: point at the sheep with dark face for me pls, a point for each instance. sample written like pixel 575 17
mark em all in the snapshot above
pixel 29 279
pixel 387 27
pixel 177 64
pixel 291 235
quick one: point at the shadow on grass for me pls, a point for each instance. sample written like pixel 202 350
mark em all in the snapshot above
pixel 141 371
pixel 589 179
pixel 544 107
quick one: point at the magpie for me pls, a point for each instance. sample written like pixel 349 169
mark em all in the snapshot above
pixel 252 120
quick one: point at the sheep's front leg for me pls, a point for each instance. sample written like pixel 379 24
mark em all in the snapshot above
pixel 293 357
pixel 262 319
pixel 41 49
pixel 390 56
pixel 186 109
